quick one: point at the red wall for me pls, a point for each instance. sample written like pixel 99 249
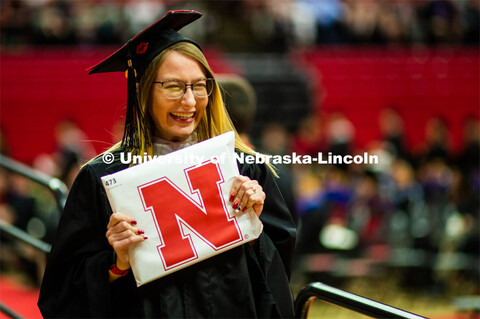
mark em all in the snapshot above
pixel 41 87
pixel 419 83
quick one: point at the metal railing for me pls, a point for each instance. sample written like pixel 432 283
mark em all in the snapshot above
pixel 9 312
pixel 59 191
pixel 17 233
pixel 56 186
pixel 375 309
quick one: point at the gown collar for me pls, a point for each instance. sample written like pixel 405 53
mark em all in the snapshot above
pixel 162 146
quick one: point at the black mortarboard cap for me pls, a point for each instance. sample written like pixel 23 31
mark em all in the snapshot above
pixel 134 57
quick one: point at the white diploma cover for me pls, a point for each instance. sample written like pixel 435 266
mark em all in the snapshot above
pixel 181 201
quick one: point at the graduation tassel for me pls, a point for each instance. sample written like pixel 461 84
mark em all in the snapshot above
pixel 134 117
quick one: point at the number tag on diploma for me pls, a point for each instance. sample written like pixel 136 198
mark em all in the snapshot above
pixel 181 201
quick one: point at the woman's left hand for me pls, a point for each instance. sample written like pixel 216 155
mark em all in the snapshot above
pixel 246 193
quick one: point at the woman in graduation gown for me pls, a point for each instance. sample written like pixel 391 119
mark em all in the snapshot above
pixel 173 102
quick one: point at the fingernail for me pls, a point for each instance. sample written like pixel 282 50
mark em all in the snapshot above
pixel 244 209
pixel 235 205
pixel 140 232
pixel 232 196
pixel 133 222
pixel 145 237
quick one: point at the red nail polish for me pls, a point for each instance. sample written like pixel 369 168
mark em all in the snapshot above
pixel 232 196
pixel 145 237
pixel 244 209
pixel 235 205
pixel 140 232
pixel 133 222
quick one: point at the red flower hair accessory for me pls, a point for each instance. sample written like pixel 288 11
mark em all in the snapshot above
pixel 142 47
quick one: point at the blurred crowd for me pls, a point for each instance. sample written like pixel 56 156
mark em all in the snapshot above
pixel 421 204
pixel 245 25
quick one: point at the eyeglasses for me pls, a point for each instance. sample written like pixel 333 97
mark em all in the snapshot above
pixel 175 89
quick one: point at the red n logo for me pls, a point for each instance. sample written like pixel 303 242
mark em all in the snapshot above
pixel 175 210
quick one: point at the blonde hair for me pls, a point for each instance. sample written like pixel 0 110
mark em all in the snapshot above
pixel 214 122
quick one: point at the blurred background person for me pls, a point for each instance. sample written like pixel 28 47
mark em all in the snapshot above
pixel 240 100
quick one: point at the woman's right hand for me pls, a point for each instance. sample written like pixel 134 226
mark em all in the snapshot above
pixel 121 233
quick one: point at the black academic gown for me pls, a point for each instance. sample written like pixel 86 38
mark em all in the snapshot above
pixel 239 283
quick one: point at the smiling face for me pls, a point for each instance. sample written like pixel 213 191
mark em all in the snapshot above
pixel 177 119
